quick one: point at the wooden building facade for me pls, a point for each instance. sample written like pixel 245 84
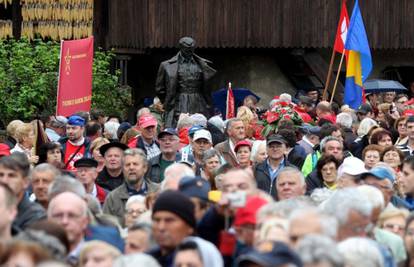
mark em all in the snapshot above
pixel 136 25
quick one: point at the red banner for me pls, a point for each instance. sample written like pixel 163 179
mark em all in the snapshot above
pixel 230 103
pixel 342 30
pixel 75 77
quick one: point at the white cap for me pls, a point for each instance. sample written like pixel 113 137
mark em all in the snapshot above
pixel 203 134
pixel 351 166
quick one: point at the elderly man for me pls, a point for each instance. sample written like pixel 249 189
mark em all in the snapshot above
pixel 169 144
pixel 173 175
pixel 202 141
pixel 234 182
pixel 111 176
pixel 290 183
pixel 310 138
pixel 14 171
pixel 172 220
pixel 42 177
pixel 8 211
pixel 134 167
pixel 236 132
pixel 86 173
pixel 352 210
pixel 307 221
pixel 267 172
pixel 74 145
pixel 73 218
pixel 147 126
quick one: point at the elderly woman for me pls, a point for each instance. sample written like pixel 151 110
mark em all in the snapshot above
pixel 111 130
pixel 371 155
pixel 399 125
pixel 51 153
pixel 23 253
pixel 259 153
pixel 393 220
pixel 365 128
pixel 327 174
pixel 381 137
pixel 243 151
pixel 134 207
pixel 393 157
pixel 97 253
pixel 25 142
pixel 211 162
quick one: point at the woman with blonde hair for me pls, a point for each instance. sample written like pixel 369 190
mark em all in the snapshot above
pixel 249 120
pixel 95 145
pixel 97 253
pixel 25 142
pixel 393 219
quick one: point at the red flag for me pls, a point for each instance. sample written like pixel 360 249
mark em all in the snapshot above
pixel 230 103
pixel 75 77
pixel 342 30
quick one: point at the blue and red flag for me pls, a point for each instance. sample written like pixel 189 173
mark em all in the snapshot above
pixel 359 63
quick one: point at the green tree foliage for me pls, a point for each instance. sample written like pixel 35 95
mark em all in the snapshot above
pixel 29 75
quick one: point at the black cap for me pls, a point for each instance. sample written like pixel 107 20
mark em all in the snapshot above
pixel 194 187
pixel 364 109
pixel 177 203
pixel 275 138
pixel 170 131
pixel 105 147
pixel 270 254
pixel 86 162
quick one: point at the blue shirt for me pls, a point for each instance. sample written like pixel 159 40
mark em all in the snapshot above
pixel 275 172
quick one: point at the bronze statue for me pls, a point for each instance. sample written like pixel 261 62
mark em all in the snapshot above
pixel 181 83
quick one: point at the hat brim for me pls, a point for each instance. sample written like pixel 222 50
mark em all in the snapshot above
pixel 255 257
pixel 105 147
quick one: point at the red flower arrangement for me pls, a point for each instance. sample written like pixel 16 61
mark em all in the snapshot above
pixel 280 111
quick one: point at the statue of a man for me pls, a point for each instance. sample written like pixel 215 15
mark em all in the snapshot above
pixel 181 83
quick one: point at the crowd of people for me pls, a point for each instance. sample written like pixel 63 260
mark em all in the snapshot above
pixel 333 187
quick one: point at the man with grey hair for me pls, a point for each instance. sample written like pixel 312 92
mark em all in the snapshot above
pixel 173 175
pixel 353 211
pixel 344 121
pixel 319 250
pixel 42 176
pixel 290 183
pixel 135 164
pixel 73 218
pixel 311 221
pixel 66 183
pixel 358 251
pixel 236 132
pixel 169 144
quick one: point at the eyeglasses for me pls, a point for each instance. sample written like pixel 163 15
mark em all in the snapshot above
pixel 381 187
pixel 70 216
pixel 165 139
pixel 135 212
pixel 393 226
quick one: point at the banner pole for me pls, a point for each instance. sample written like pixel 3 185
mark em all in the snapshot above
pixel 328 77
pixel 337 75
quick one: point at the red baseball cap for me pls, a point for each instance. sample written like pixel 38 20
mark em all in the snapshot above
pixel 4 150
pixel 247 214
pixel 147 120
pixel 242 143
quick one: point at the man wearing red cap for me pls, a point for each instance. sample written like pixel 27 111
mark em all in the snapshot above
pixel 147 126
pixel 245 224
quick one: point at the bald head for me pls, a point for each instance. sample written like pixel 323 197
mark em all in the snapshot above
pixel 71 212
pixel 239 180
pixel 173 175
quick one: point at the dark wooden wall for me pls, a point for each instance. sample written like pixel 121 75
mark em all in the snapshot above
pixel 136 25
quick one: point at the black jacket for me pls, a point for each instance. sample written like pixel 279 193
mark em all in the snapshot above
pixel 313 181
pixel 27 213
pixel 261 173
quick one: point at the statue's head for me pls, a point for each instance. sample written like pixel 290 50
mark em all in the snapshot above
pixel 187 45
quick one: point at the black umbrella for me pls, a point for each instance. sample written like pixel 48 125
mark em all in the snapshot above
pixel 380 86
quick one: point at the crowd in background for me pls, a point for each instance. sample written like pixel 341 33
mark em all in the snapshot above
pixel 335 189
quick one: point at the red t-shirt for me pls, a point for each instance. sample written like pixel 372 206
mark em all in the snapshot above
pixel 70 150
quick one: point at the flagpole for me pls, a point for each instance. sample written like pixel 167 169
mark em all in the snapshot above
pixel 328 77
pixel 337 75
